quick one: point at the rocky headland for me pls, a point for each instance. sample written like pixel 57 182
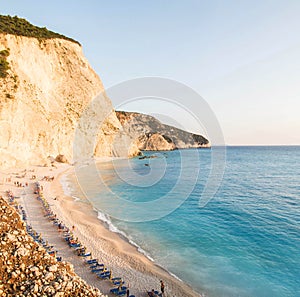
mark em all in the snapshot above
pixel 152 135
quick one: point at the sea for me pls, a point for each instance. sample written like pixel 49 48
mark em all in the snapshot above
pixel 244 241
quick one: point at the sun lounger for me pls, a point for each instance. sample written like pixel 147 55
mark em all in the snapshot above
pixel 104 275
pixel 96 270
pixel 74 245
pixel 119 291
pixel 91 261
pixel 85 255
pixel 118 282
pixel 96 265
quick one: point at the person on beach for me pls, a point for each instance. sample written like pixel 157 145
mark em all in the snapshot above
pixel 152 293
pixel 162 287
pixel 120 287
pixel 127 293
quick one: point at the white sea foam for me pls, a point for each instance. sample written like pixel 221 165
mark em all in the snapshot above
pixel 66 185
pixel 111 227
pixel 76 198
pixel 86 163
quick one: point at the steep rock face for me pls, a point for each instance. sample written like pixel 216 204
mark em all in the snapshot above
pixel 155 142
pixel 151 134
pixel 47 88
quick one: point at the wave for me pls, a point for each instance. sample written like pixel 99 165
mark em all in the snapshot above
pixel 66 185
pixel 76 198
pixel 111 227
pixel 68 188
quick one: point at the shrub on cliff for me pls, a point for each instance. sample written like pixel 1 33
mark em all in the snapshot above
pixel 21 27
pixel 4 65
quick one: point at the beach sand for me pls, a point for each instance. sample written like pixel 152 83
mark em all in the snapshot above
pixel 139 272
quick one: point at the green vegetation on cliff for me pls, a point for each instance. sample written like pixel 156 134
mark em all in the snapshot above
pixel 4 65
pixel 21 27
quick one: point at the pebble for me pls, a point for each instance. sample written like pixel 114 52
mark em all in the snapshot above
pixel 26 269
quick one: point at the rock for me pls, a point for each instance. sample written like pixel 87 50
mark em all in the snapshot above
pixel 51 159
pixel 151 134
pixel 49 290
pixel 52 268
pixel 34 269
pixel 36 288
pixel 11 237
pixel 13 275
pixel 61 159
pixel 157 142
pixel 49 276
pixel 22 252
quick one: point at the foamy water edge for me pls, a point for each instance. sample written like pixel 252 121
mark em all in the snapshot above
pixel 105 219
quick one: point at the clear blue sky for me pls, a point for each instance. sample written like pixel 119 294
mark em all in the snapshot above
pixel 243 57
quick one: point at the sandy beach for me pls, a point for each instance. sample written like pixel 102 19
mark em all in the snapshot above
pixel 138 272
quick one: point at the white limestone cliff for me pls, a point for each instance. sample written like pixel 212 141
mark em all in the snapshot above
pixel 48 87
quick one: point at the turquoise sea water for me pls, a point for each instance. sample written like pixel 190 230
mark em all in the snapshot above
pixel 244 242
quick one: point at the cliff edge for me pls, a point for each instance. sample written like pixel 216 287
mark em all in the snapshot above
pixel 45 85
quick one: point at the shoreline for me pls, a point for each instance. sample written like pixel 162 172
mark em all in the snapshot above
pixel 111 248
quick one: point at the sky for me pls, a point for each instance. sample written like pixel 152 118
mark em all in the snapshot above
pixel 242 57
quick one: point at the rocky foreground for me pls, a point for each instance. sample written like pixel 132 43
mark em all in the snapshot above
pixel 26 269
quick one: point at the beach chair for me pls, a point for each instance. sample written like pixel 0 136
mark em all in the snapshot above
pixel 91 261
pixel 117 281
pixel 48 247
pixel 74 245
pixel 104 275
pixel 96 270
pixel 114 290
pixel 85 255
pixel 96 265
pixel 119 291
